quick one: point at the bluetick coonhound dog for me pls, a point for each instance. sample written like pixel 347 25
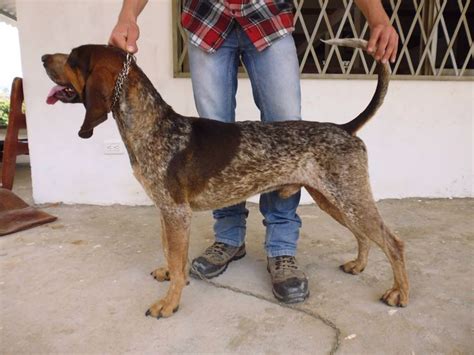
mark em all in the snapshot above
pixel 188 164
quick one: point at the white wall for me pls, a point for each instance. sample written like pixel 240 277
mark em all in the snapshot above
pixel 420 144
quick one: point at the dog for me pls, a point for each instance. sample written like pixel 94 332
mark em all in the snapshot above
pixel 188 164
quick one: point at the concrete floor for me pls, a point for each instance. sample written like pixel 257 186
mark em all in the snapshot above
pixel 82 285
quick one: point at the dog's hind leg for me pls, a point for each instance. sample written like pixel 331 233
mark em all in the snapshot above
pixel 368 221
pixel 358 265
pixel 176 223
pixel 357 210
pixel 362 217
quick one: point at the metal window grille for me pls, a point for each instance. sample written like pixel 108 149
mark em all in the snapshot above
pixel 436 39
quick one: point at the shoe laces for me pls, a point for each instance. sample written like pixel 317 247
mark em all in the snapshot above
pixel 285 262
pixel 216 248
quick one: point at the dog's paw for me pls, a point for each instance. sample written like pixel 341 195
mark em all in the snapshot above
pixel 395 297
pixel 162 309
pixel 161 274
pixel 352 267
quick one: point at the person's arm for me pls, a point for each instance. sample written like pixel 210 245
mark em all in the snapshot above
pixel 126 31
pixel 383 42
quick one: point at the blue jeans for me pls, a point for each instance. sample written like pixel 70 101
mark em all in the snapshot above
pixel 274 75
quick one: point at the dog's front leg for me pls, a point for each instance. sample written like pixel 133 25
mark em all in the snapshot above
pixel 176 222
pixel 162 273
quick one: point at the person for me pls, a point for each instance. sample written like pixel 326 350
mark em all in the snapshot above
pixel 220 33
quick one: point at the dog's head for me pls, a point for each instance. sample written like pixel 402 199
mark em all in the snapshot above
pixel 86 75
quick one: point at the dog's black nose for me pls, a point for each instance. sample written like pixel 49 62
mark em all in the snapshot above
pixel 45 57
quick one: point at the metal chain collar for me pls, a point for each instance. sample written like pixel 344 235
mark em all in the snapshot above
pixel 121 78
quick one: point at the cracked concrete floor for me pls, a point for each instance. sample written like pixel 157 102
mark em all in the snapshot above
pixel 82 285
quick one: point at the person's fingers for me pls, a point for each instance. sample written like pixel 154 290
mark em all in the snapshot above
pixel 382 45
pixel 390 48
pixel 395 49
pixel 132 37
pixel 391 45
pixel 125 36
pixel 374 36
pixel 119 41
pixel 118 37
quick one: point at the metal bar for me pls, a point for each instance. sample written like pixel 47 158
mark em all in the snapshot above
pixel 298 5
pixel 407 39
pixel 307 36
pixel 357 51
pixel 175 10
pixel 299 15
pixel 9 15
pixel 331 34
pixel 398 77
pixel 471 52
pixel 404 77
pixel 470 41
pixel 435 24
pixel 466 26
pixel 361 27
pixel 336 48
pixel 433 45
pixel 426 21
pixel 310 40
pixel 427 31
pixel 449 50
pixel 360 52
pixel 395 17
pixel 184 48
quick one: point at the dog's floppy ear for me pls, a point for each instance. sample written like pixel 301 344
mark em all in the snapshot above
pixel 97 100
pixel 94 83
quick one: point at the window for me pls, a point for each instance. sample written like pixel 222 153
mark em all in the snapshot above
pixel 436 39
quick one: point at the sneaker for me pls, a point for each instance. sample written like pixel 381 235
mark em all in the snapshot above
pixel 215 259
pixel 290 284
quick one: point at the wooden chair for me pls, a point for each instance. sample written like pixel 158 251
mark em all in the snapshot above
pixel 12 146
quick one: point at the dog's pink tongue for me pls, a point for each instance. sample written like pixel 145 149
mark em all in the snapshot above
pixel 51 99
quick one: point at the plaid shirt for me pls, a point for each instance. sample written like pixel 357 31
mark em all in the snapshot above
pixel 208 22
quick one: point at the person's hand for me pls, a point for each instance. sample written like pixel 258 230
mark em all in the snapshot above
pixel 383 43
pixel 125 35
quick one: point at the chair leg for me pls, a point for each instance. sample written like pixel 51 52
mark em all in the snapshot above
pixel 9 156
pixel 11 147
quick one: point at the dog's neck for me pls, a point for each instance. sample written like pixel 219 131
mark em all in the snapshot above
pixel 141 113
pixel 121 77
pixel 139 108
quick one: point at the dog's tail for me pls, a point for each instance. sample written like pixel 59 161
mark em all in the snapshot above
pixel 383 72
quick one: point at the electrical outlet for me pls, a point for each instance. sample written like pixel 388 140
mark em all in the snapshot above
pixel 113 147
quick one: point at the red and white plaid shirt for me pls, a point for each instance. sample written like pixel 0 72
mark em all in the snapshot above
pixel 208 22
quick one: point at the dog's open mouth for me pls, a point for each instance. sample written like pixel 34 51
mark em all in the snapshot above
pixel 61 93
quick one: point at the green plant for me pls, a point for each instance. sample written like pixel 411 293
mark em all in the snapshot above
pixel 4 110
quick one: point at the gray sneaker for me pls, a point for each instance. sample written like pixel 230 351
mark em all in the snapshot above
pixel 290 284
pixel 215 259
